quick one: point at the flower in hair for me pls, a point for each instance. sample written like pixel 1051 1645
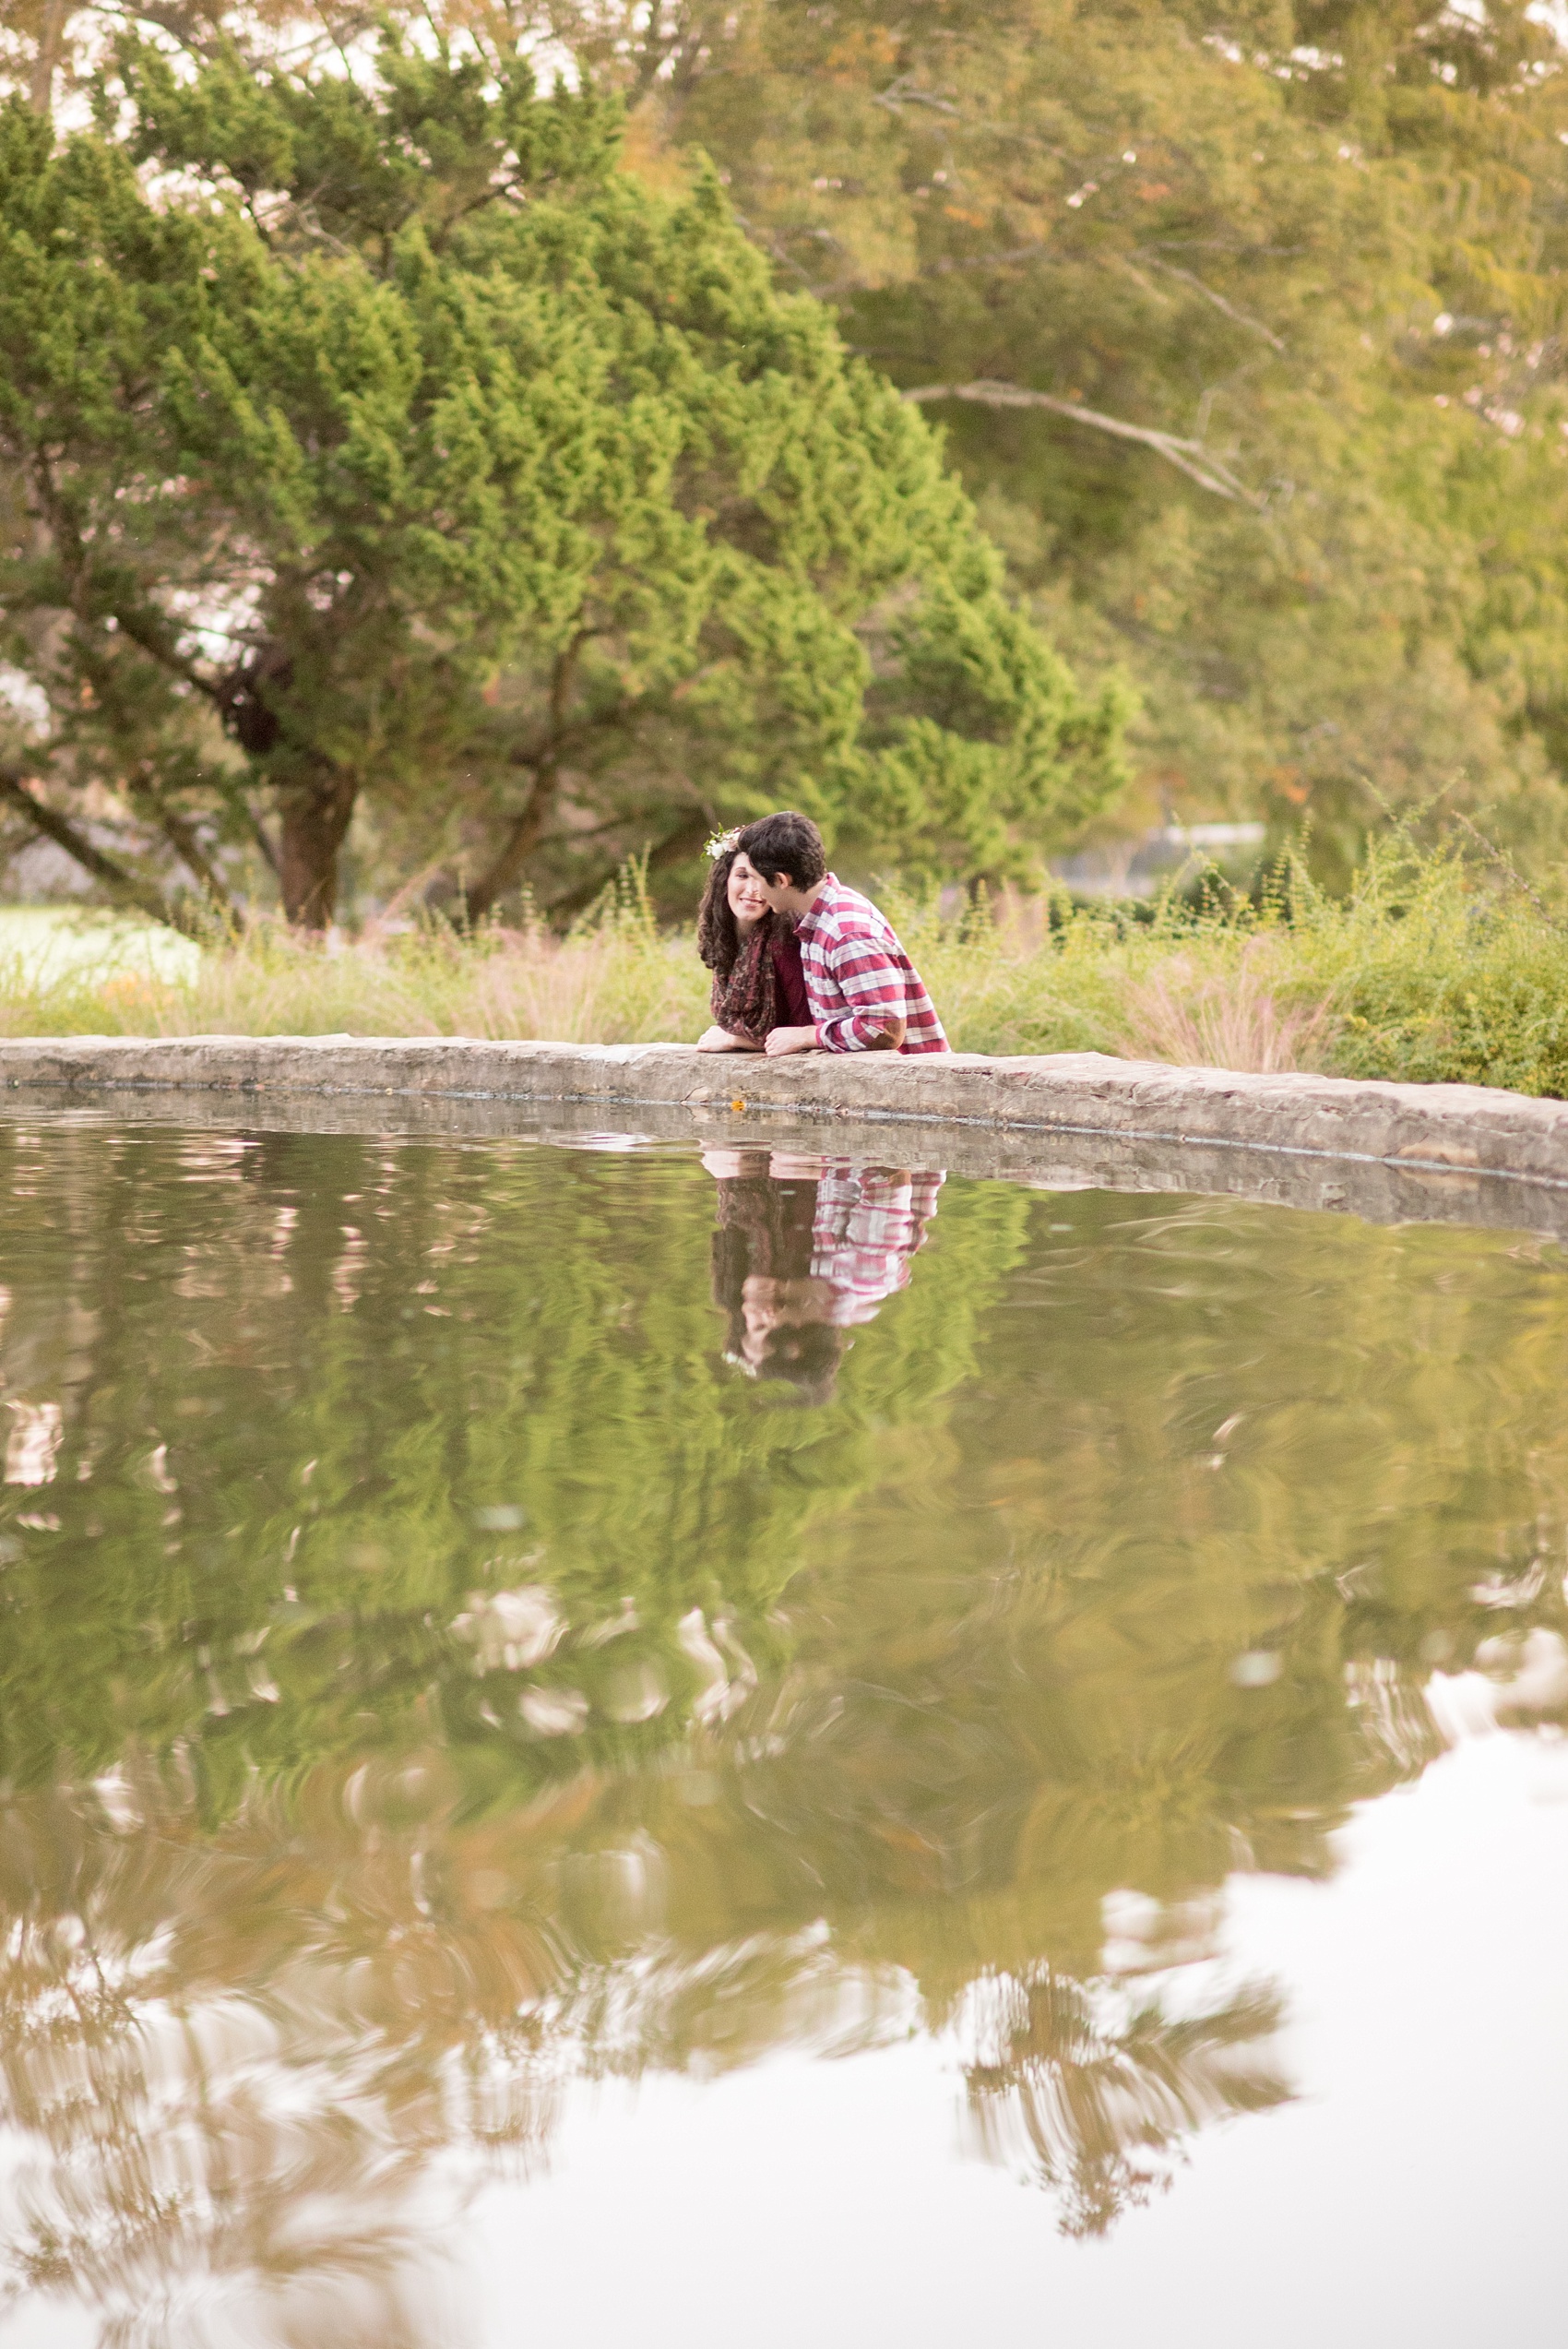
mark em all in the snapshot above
pixel 720 843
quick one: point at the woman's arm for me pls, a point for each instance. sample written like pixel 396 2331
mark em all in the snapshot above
pixel 722 1040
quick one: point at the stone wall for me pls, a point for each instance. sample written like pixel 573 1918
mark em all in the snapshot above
pixel 1454 1152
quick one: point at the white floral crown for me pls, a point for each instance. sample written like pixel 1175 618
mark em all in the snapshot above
pixel 719 844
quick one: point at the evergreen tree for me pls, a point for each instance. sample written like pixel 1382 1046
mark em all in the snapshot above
pixel 379 444
pixel 1256 315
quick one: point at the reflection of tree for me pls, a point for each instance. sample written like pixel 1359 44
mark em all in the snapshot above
pixel 316 1391
pixel 1100 2094
pixel 242 2063
pixel 257 2067
pixel 519 1693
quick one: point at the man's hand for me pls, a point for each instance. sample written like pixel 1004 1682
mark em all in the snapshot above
pixel 783 1040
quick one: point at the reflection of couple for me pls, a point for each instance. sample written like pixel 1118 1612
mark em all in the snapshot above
pixel 799 962
pixel 806 1248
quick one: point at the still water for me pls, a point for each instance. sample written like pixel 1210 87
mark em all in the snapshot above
pixel 601 1747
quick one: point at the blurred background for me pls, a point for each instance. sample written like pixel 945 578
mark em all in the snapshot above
pixel 1241 325
pixel 1107 462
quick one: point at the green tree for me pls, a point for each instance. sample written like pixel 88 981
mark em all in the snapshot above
pixel 1257 314
pixel 404 453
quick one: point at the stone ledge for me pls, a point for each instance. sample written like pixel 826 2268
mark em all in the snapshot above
pixel 1419 1128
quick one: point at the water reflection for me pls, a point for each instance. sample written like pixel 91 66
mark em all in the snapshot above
pixel 806 1249
pixel 430 1674
pixel 1101 2091
pixel 260 2067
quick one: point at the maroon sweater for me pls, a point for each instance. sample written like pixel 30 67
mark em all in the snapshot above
pixel 785 948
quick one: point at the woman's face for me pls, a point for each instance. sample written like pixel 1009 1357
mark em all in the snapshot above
pixel 747 902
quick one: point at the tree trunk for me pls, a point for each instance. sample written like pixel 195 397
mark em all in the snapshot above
pixel 41 88
pixel 528 829
pixel 314 827
pixel 509 866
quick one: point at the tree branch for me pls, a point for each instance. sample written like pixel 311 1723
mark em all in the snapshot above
pixel 528 826
pixel 1189 456
pixel 1240 318
pixel 950 262
pixel 123 885
pixel 41 88
pixel 181 835
pixel 688 835
pixel 258 834
pixel 144 630
pixel 899 94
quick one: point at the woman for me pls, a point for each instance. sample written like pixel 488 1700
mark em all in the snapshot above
pixel 758 981
pixel 782 1322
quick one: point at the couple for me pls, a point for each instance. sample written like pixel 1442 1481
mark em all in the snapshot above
pixel 799 962
pixel 808 1250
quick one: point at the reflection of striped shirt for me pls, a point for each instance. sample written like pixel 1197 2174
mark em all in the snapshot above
pixel 868 1223
pixel 858 977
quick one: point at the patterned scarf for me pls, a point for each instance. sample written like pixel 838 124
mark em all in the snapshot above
pixel 746 1003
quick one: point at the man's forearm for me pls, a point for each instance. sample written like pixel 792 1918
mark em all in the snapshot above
pixel 863 1032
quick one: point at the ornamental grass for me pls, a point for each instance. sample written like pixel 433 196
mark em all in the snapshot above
pixel 1439 966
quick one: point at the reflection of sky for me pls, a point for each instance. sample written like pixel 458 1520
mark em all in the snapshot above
pixel 1410 2196
pixel 1413 2194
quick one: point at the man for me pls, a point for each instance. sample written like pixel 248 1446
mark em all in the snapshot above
pixel 865 992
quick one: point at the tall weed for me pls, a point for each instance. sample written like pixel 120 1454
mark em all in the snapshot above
pixel 1433 968
pixel 1435 972
pixel 613 979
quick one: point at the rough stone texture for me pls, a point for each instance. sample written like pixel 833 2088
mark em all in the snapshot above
pixel 1457 1153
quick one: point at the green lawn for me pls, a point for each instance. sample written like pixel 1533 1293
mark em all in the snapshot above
pixel 51 942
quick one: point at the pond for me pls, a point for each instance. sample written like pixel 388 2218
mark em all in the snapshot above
pixel 602 1745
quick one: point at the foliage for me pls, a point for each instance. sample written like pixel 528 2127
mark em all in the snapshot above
pixel 1318 248
pixel 376 445
pixel 1317 243
pixel 1431 970
pixel 1307 252
pixel 1434 978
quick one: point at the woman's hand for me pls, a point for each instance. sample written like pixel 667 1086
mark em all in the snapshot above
pixel 783 1040
pixel 720 1040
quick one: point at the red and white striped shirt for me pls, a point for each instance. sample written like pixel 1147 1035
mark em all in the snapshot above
pixel 868 1221
pixel 858 977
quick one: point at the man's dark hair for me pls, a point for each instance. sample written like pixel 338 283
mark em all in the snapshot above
pixel 786 843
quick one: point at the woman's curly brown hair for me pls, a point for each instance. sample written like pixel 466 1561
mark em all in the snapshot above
pixel 719 936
